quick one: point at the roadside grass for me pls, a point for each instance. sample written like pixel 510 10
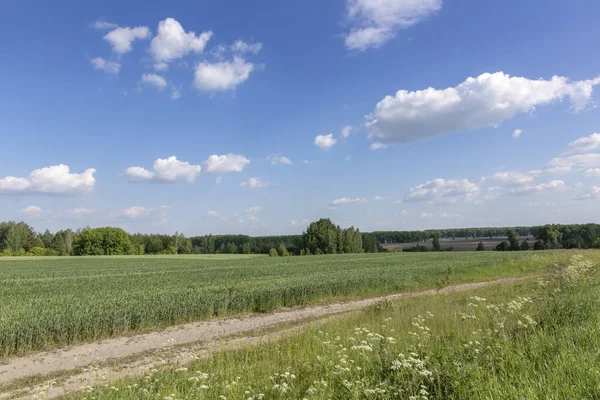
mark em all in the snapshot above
pixel 534 339
pixel 47 303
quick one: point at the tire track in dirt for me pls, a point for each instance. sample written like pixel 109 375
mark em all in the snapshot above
pixel 167 346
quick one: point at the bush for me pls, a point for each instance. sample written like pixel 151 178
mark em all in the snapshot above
pixel 283 251
pixel 394 250
pixel 417 249
pixel 524 245
pixel 539 245
pixel 37 251
pixel 503 246
pixel 273 253
pixel 480 247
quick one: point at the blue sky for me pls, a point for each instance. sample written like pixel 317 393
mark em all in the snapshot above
pixel 101 88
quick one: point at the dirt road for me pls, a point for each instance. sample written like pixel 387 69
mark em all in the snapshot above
pixel 98 363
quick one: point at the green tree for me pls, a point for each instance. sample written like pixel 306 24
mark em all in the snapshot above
pixel 480 247
pixel 436 243
pixel 102 241
pixel 273 253
pixel 513 239
pixel 370 243
pixel 247 248
pixel 321 235
pixel 524 245
pixel 282 250
pixel 539 245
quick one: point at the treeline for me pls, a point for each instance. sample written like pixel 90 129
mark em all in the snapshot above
pixel 321 237
pixel 421 236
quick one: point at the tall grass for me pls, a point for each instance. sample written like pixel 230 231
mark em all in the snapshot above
pixel 533 340
pixel 51 302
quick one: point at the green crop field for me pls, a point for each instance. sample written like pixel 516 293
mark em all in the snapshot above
pixel 50 302
pixel 533 339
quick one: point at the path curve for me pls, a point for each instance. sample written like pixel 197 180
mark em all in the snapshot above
pixel 211 333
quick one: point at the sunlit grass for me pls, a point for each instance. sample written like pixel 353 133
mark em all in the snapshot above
pixel 51 302
pixel 537 339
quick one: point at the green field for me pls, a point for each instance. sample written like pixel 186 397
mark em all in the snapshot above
pixel 533 339
pixel 50 302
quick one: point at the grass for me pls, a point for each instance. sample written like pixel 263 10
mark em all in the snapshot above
pixel 536 339
pixel 51 302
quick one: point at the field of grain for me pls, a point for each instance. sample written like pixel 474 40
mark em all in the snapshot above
pixel 461 243
pixel 533 339
pixel 51 302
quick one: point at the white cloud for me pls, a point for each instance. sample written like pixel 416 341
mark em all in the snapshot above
pixel 222 76
pixel 252 218
pixel 593 194
pixel 403 213
pixel 80 212
pixel 376 21
pixel 381 198
pixel 426 215
pixel 348 158
pixel 165 170
pixel 175 93
pixel 172 42
pixel 121 38
pixel 109 67
pixel 346 131
pixel 592 172
pixel 325 142
pixel 275 159
pixel 219 179
pixel 451 215
pixel 31 210
pixel 493 192
pixel 135 212
pixel 103 25
pixel 585 144
pixel 553 185
pixel 161 66
pixel 517 133
pixel 53 179
pixel 378 146
pixel 252 210
pixel 559 170
pixel 212 214
pixel 590 160
pixel 255 183
pixel 242 47
pixel 345 200
pixel 226 163
pixel 444 191
pixel 154 80
pixel 515 178
pixel 307 162
pixel 484 101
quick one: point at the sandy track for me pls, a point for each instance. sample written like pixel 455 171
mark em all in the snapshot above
pixel 212 335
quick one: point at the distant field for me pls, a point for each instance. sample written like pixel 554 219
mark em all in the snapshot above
pixel 50 302
pixel 461 244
